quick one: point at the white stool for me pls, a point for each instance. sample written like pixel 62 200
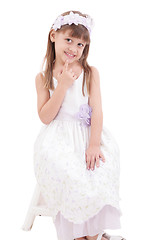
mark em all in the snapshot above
pixel 37 208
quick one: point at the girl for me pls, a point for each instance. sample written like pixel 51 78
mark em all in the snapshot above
pixel 76 159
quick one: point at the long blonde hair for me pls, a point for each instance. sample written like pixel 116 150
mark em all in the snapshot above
pixel 78 31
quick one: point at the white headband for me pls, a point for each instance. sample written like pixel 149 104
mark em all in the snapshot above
pixel 73 18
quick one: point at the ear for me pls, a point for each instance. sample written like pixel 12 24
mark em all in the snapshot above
pixel 52 35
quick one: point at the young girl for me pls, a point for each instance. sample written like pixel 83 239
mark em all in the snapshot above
pixel 76 159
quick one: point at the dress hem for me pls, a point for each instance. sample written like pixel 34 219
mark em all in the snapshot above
pixel 61 212
pixel 107 218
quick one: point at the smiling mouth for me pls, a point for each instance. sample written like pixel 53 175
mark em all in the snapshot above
pixel 70 55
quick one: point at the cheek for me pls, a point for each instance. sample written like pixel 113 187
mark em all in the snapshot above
pixel 81 52
pixel 59 45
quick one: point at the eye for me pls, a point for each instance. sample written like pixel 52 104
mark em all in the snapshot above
pixel 68 40
pixel 80 44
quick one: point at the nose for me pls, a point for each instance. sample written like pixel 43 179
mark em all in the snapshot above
pixel 72 49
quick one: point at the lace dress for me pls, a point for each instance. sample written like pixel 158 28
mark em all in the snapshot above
pixel 82 202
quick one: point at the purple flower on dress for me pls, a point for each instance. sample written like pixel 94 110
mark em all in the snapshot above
pixel 84 114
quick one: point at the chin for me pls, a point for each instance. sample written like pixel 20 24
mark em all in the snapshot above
pixel 71 60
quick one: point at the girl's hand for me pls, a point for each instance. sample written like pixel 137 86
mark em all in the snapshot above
pixel 66 77
pixel 92 155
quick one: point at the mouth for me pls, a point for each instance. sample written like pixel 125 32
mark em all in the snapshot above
pixel 69 55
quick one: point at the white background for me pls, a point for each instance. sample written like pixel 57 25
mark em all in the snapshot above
pixel 125 49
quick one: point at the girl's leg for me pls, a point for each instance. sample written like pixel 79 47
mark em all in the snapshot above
pixel 91 238
pixel 81 238
pixel 95 237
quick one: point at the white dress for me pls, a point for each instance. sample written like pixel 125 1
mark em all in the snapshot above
pixel 83 202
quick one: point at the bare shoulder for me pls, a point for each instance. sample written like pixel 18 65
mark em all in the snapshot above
pixel 95 91
pixel 42 92
pixel 39 81
pixel 94 69
pixel 95 75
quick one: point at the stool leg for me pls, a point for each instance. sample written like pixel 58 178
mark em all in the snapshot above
pixel 28 223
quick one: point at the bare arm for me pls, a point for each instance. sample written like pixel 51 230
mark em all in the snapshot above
pixel 96 104
pixel 93 152
pixel 48 107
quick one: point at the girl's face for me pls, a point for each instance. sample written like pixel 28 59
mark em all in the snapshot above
pixel 67 47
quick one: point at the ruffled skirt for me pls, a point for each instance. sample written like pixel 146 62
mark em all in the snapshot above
pixel 82 202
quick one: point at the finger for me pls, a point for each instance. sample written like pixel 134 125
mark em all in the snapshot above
pixel 97 161
pixel 86 157
pixel 74 76
pixel 58 74
pixel 88 165
pixel 102 156
pixel 66 65
pixel 92 163
pixel 87 162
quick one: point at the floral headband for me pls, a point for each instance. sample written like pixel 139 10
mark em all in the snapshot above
pixel 73 18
